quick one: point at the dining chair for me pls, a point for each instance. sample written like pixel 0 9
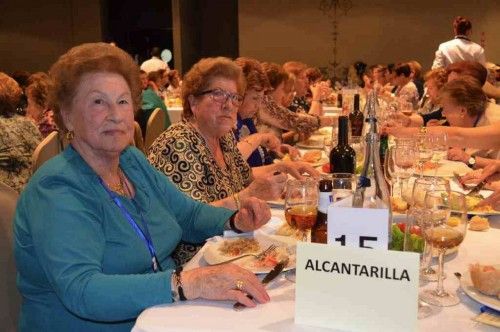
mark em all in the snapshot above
pixel 48 148
pixel 10 300
pixel 138 139
pixel 154 127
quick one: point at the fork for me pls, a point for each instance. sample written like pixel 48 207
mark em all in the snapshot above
pixel 258 256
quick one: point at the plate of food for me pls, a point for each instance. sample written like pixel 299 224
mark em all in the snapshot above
pixel 222 249
pixel 313 142
pixel 324 131
pixel 313 157
pixel 482 283
pixel 278 230
pixel 473 200
pixel 445 168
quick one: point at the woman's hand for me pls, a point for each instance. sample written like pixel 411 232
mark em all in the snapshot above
pixel 458 154
pixel 223 282
pixel 493 201
pixel 292 152
pixel 253 214
pixel 269 141
pixel 297 168
pixel 482 174
pixel 267 187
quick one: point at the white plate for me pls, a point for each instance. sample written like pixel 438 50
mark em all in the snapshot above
pixel 306 145
pixel 447 168
pixel 314 142
pixel 483 213
pixel 468 288
pixel 320 162
pixel 212 254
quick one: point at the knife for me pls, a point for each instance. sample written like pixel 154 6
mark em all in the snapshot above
pixel 459 180
pixel 277 269
pixel 477 188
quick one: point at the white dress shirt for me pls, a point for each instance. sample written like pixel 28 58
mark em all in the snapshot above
pixel 458 49
pixel 154 64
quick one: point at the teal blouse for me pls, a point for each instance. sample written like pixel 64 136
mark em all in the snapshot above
pixel 81 266
pixel 150 102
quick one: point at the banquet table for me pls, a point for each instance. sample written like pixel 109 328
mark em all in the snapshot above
pixel 278 314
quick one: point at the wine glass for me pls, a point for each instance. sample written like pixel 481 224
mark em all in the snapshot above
pixel 413 243
pixel 424 144
pixel 389 169
pixel 417 205
pixel 439 143
pixel 301 208
pixel 404 157
pixel 446 230
pixel 406 107
pixel 358 144
pixel 343 185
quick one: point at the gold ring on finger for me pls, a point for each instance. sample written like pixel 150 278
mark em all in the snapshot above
pixel 239 285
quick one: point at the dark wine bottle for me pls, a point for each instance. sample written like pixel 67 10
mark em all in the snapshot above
pixel 356 118
pixel 343 157
pixel 319 232
pixel 339 100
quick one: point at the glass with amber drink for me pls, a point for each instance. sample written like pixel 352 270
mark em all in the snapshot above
pixel 446 230
pixel 301 205
pixel 301 208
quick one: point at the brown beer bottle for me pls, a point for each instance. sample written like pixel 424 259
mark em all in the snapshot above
pixel 319 231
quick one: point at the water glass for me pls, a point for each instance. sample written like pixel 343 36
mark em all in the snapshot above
pixel 344 185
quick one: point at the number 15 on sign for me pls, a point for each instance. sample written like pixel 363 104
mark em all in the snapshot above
pixel 358 227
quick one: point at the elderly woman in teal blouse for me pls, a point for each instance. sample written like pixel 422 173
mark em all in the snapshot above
pixel 96 225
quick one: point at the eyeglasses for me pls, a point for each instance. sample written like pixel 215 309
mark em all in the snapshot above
pixel 220 96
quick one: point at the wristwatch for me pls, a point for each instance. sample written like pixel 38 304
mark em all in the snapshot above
pixel 471 162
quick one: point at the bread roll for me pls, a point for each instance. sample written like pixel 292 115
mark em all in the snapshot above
pixel 485 279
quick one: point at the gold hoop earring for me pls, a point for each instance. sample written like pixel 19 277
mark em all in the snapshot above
pixel 70 134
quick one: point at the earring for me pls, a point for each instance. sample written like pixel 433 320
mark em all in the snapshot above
pixel 70 134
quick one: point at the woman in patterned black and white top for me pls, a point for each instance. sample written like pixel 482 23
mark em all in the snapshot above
pixel 200 154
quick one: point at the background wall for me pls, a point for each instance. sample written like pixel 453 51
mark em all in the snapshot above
pixel 374 31
pixel 33 33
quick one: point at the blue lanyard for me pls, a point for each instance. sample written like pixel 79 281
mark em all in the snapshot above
pixel 144 235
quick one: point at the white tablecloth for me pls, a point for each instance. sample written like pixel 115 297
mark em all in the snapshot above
pixel 278 314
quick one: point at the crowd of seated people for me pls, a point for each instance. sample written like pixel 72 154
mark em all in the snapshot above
pixel 238 115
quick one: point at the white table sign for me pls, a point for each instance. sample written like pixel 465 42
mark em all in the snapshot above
pixel 353 289
pixel 358 227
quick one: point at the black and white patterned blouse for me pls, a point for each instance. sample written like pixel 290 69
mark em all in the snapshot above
pixel 182 154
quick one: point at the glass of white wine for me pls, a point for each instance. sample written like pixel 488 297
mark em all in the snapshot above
pixel 404 155
pixel 439 143
pixel 417 205
pixel 446 229
pixel 424 144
